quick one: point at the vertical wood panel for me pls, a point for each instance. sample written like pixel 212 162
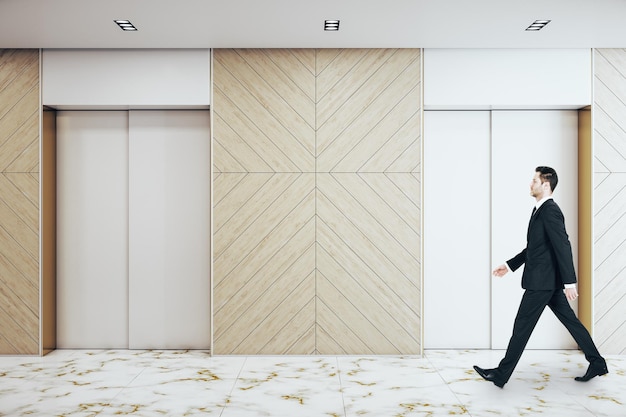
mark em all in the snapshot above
pixel 585 217
pixel 368 201
pixel 264 201
pixel 609 221
pixel 19 201
pixel 317 201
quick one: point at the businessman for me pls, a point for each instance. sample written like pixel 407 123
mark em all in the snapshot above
pixel 548 280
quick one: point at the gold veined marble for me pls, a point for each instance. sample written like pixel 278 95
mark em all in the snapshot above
pixel 193 383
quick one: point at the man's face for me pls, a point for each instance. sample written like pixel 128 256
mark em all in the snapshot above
pixel 537 188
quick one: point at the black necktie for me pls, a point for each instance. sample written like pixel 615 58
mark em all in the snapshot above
pixel 530 221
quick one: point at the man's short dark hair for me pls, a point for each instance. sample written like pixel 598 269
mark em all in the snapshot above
pixel 548 174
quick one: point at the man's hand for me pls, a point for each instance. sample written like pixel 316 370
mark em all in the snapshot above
pixel 500 271
pixel 571 294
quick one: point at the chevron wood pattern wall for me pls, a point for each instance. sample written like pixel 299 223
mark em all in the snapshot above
pixel 264 201
pixel 19 201
pixel 609 120
pixel 368 201
pixel 317 201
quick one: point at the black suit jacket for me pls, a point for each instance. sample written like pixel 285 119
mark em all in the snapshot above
pixel 548 252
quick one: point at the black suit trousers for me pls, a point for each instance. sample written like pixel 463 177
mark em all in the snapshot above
pixel 530 309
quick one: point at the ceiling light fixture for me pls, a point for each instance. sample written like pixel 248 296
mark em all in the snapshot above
pixel 125 25
pixel 538 25
pixel 331 25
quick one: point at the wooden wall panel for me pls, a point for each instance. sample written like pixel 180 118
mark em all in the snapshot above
pixel 367 265
pixel 369 119
pixel 368 201
pixel 585 217
pixel 264 119
pixel 317 201
pixel 19 201
pixel 264 201
pixel 263 264
pixel 609 222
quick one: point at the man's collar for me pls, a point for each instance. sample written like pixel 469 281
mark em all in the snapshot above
pixel 543 200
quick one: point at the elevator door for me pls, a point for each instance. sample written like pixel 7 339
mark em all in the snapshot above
pixel 521 141
pixel 133 222
pixel 456 230
pixel 169 230
pixel 92 232
pixel 477 171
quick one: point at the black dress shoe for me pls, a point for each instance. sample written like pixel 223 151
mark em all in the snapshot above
pixel 490 375
pixel 592 372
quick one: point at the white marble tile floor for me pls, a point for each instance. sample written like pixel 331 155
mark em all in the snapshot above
pixel 87 383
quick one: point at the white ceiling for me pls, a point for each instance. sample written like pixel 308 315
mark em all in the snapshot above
pixel 299 23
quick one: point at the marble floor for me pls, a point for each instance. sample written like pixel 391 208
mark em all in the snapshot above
pixel 192 383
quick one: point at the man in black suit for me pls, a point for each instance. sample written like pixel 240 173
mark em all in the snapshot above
pixel 548 279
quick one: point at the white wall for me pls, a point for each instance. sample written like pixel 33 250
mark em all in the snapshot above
pixel 126 78
pixel 507 78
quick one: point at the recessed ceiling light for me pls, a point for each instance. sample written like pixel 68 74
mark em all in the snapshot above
pixel 538 25
pixel 332 25
pixel 125 24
